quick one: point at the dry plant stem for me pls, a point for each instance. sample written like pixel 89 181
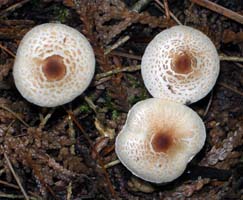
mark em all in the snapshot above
pixel 69 191
pixel 71 133
pixel 100 162
pixel 138 67
pixel 137 7
pixel 117 44
pixel 209 104
pixel 16 176
pixel 112 163
pixel 9 184
pixel 167 11
pixel 126 55
pixel 10 196
pixel 225 56
pixel 17 187
pixel 220 9
pixel 100 81
pixel 13 22
pixel 9 126
pixel 91 104
pixel 231 88
pixel 171 14
pixel 2 171
pixel 231 58
pixel 14 114
pixel 8 51
pixel 116 71
pixel 13 7
pixel 46 118
pixel 13 196
pixel 239 65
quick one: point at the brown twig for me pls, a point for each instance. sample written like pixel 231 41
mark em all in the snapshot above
pixel 9 184
pixel 220 9
pixel 209 104
pixel 18 22
pixel 171 14
pixel 17 187
pixel 239 65
pixel 100 162
pixel 167 11
pixel 14 114
pixel 231 88
pixel 9 126
pixel 7 50
pixel 16 177
pixel 13 7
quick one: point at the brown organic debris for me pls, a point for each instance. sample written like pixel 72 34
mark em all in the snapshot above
pixel 138 185
pixel 5 68
pixel 104 131
pixel 55 157
pixel 220 9
pixel 225 150
pixel 231 36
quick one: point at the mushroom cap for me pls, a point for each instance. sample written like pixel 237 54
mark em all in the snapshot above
pixel 180 64
pixel 54 64
pixel 159 138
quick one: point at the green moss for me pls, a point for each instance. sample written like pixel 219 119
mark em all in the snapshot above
pixel 114 115
pixel 133 81
pixel 142 96
pixel 109 104
pixel 84 108
pixel 61 13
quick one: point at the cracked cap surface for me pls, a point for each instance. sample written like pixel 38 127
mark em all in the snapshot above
pixel 180 64
pixel 54 64
pixel 159 138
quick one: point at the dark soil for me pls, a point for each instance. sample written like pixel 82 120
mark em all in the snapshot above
pixel 56 157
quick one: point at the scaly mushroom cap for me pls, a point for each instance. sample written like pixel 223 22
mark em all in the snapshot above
pixel 54 64
pixel 180 64
pixel 159 139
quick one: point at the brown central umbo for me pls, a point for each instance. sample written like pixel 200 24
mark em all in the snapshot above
pixel 53 68
pixel 162 142
pixel 182 63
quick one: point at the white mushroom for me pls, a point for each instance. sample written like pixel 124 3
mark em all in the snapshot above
pixel 180 64
pixel 159 139
pixel 54 64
